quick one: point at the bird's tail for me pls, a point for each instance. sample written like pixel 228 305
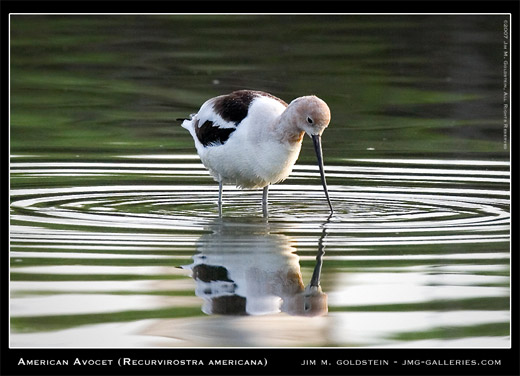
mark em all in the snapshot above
pixel 186 122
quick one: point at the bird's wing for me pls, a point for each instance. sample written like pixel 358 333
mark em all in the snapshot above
pixel 220 116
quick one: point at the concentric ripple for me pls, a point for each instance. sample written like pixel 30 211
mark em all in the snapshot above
pixel 404 200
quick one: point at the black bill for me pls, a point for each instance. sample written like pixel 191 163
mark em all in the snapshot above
pixel 316 139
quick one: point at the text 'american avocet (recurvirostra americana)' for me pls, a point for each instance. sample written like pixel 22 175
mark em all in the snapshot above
pixel 252 139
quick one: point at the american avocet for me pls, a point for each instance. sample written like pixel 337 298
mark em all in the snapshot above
pixel 252 139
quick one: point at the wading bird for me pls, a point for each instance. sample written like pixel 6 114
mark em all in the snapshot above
pixel 252 139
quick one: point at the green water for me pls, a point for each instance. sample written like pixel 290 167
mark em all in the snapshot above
pixel 112 212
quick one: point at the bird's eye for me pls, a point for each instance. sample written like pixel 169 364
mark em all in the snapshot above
pixel 309 120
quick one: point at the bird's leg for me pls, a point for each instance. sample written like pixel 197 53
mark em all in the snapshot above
pixel 264 200
pixel 220 198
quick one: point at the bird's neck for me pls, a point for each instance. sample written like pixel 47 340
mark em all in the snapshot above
pixel 286 130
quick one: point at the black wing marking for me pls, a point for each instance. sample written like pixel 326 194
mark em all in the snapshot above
pixel 208 273
pixel 208 134
pixel 235 106
pixel 231 108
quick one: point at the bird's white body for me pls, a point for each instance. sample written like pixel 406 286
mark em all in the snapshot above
pixel 252 139
pixel 255 155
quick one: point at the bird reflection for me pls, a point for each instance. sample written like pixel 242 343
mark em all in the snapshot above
pixel 245 269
